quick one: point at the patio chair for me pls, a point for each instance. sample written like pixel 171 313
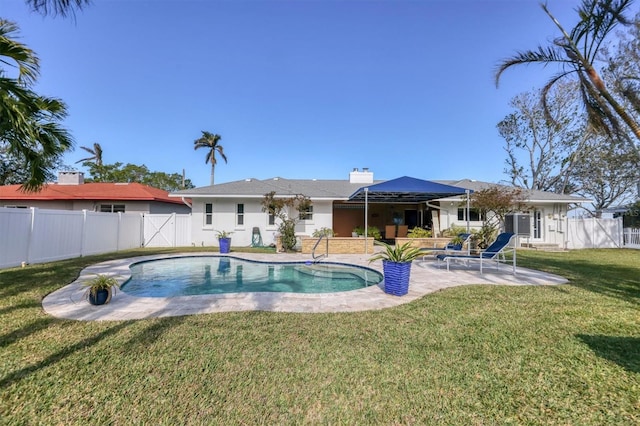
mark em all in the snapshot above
pixel 403 230
pixel 494 253
pixel 390 232
pixel 450 247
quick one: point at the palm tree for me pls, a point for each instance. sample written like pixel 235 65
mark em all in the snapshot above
pixel 576 52
pixel 211 142
pixel 96 154
pixel 57 7
pixel 29 123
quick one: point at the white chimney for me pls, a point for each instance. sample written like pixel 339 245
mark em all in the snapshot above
pixel 364 176
pixel 70 178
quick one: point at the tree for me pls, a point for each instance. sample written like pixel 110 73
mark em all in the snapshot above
pixel 576 53
pixel 212 143
pixel 606 173
pixel 57 7
pixel 119 173
pixel 494 203
pixel 540 144
pixel 96 154
pixel 14 170
pixel 279 207
pixel 29 123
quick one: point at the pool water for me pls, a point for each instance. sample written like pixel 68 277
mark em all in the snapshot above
pixel 187 276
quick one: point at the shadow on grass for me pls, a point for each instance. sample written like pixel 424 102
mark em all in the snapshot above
pixel 153 332
pixel 609 280
pixel 624 351
pixel 25 305
pixel 58 356
pixel 26 330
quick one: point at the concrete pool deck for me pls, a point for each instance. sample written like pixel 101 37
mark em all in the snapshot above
pixel 426 277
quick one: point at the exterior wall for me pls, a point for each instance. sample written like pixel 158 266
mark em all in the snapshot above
pixel 553 222
pixel 224 219
pixel 156 207
pixel 53 205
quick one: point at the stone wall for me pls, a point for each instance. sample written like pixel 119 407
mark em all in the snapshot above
pixel 338 245
pixel 424 242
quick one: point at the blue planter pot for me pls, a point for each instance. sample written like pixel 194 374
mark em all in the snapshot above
pixel 225 245
pixel 396 277
pixel 99 298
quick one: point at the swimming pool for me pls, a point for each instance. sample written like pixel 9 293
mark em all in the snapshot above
pixel 185 276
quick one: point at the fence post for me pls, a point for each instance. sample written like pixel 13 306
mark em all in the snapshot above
pixel 118 231
pixel 142 225
pixel 175 229
pixel 83 231
pixel 30 241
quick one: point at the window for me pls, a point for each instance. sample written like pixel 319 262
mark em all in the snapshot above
pixel 474 215
pixel 208 214
pixel 307 213
pixel 272 219
pixel 239 214
pixel 111 208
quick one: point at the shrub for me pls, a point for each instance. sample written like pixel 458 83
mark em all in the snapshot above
pixel 419 233
pixel 322 232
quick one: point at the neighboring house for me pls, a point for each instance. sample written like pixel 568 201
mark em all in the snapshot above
pixel 630 214
pixel 71 193
pixel 237 207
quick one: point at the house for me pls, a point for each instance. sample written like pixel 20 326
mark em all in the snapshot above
pixel 237 207
pixel 630 214
pixel 71 193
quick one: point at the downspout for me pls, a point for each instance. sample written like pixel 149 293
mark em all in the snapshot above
pixel 186 203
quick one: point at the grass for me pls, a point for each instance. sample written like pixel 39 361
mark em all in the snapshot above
pixel 471 355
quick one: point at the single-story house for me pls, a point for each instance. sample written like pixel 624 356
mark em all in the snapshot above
pixel 237 207
pixel 72 193
pixel 630 214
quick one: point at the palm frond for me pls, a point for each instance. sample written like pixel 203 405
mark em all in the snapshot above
pixel 13 53
pixel 543 56
pixel 58 7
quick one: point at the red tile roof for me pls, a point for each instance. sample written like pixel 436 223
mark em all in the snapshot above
pixel 90 191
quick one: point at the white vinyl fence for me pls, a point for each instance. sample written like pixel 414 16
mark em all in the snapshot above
pixel 632 238
pixel 595 233
pixel 37 235
pixel 167 230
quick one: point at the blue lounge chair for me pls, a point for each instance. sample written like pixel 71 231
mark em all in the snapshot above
pixel 455 248
pixel 494 253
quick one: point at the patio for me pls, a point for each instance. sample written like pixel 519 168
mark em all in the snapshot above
pixel 426 277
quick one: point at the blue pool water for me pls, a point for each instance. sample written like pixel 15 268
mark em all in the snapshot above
pixel 186 276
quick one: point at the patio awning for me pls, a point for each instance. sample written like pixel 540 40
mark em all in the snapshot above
pixel 405 190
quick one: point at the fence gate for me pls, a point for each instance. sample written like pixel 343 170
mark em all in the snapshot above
pixel 167 230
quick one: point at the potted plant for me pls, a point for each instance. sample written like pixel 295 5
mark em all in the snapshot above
pixel 396 266
pixel 100 289
pixel 224 241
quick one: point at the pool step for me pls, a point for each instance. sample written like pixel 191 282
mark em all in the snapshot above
pixel 320 271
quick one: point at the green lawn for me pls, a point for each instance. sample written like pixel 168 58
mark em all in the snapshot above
pixel 474 355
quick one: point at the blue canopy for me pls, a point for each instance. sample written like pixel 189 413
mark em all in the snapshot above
pixel 406 190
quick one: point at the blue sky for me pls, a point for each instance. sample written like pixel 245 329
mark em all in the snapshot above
pixel 297 89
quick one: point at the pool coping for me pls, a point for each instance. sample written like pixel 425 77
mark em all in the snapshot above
pixel 426 277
